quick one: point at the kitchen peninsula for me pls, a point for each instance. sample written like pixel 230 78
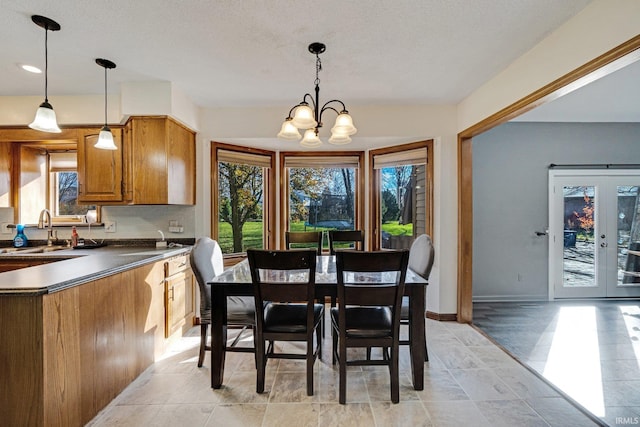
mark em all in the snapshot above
pixel 75 332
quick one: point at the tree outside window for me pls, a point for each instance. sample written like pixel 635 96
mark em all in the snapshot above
pixel 240 202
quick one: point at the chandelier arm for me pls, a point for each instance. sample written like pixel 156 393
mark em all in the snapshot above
pixel 325 106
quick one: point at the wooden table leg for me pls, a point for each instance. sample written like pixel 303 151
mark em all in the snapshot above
pixel 218 334
pixel 416 323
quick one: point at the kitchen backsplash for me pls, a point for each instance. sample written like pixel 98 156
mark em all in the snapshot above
pixel 131 222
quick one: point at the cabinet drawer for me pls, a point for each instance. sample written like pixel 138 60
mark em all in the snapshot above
pixel 176 265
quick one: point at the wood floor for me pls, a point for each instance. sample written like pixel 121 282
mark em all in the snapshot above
pixel 590 350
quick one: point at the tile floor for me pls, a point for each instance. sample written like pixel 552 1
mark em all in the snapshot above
pixel 468 382
pixel 588 349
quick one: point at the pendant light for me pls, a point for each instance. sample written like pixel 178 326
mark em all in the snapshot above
pixel 105 139
pixel 45 119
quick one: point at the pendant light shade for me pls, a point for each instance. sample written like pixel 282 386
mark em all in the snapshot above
pixel 105 139
pixel 289 131
pixel 45 119
pixel 303 117
pixel 310 138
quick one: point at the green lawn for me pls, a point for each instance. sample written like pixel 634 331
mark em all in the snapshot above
pixel 395 229
pixel 252 233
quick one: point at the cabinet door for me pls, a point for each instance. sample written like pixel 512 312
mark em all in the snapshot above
pixel 99 171
pixel 181 168
pixel 149 162
pixel 176 295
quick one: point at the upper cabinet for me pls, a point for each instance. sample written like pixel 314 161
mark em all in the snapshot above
pixel 154 165
pixel 162 162
pixel 100 172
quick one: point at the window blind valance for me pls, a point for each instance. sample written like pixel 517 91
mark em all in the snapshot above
pixel 242 158
pixel 338 162
pixel 416 156
pixel 63 161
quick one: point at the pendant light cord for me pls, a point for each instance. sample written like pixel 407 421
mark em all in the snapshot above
pixel 46 63
pixel 105 96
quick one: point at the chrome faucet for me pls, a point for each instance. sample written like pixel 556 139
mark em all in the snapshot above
pixel 49 224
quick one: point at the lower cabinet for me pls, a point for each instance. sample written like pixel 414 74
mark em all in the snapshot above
pixel 179 294
pixel 66 355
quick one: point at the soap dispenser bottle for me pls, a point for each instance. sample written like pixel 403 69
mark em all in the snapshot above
pixel 20 241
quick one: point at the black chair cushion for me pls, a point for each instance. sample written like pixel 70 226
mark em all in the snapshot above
pixel 366 322
pixel 241 310
pixel 288 317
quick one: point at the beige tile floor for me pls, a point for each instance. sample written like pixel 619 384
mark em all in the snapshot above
pixel 468 382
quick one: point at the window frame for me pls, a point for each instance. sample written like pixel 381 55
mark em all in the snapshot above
pixel 269 179
pixel 52 190
pixel 301 156
pixel 373 234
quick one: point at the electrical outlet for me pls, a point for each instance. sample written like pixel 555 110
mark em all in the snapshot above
pixel 5 228
pixel 109 226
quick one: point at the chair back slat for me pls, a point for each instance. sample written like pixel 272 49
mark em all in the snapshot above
pixel 354 236
pixel 304 238
pixel 283 276
pixel 370 295
pixel 355 288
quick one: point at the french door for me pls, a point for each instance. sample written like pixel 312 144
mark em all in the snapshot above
pixel 594 233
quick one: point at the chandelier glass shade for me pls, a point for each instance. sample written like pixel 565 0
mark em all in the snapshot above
pixel 307 115
pixel 45 120
pixel 105 138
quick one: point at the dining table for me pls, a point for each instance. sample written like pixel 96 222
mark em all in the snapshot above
pixel 236 281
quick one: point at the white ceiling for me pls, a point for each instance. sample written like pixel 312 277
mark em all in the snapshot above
pixel 226 53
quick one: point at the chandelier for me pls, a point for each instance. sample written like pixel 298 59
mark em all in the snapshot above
pixel 307 115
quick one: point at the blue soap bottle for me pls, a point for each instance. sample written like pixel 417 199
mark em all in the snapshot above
pixel 20 241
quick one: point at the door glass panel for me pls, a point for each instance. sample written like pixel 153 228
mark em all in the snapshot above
pixel 628 236
pixel 579 256
pixel 403 205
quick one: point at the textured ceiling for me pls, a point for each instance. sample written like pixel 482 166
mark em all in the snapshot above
pixel 254 52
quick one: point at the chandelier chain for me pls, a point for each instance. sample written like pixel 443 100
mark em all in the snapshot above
pixel 318 68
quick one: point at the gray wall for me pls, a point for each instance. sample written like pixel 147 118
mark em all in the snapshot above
pixel 510 201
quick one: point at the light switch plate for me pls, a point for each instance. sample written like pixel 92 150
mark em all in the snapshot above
pixel 109 226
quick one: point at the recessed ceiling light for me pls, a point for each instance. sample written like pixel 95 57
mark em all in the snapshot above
pixel 31 68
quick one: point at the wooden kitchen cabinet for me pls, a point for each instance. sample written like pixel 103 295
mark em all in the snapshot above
pixel 162 162
pixel 153 165
pixel 179 295
pixel 100 172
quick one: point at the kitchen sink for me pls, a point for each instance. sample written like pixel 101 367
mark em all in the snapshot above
pixel 32 250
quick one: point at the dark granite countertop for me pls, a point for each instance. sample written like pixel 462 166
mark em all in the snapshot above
pixel 77 266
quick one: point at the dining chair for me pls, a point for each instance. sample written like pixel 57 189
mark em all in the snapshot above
pixel 284 288
pixel 303 239
pixel 346 236
pixel 421 255
pixel 368 312
pixel 207 263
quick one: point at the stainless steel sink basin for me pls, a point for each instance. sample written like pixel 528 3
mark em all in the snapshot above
pixel 32 250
